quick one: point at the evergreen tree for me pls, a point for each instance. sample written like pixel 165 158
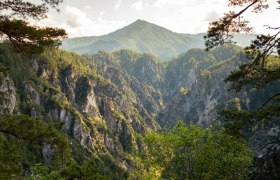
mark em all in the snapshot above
pixel 25 37
pixel 262 68
pixel 22 136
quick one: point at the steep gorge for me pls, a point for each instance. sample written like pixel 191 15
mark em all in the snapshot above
pixel 106 102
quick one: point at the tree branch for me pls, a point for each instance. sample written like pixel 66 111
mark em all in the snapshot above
pixel 243 10
pixel 272 142
pixel 267 101
pixel 11 133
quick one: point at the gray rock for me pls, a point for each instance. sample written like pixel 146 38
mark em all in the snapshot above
pixel 33 95
pixel 7 94
pixel 33 112
pixel 268 162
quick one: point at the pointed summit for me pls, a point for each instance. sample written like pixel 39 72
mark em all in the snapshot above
pixel 140 36
pixel 140 22
pixel 143 23
pixel 142 28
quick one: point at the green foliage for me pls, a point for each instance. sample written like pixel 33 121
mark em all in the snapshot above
pixel 196 153
pixel 234 104
pixel 261 69
pixel 255 74
pixel 94 169
pixel 9 158
pixel 140 36
pixel 42 172
pixel 18 147
pixel 17 30
pixel 205 74
pixel 184 90
pixel 126 57
pixel 143 37
pixel 21 136
pixel 54 65
pixel 240 123
pixel 91 169
pixel 15 65
pixel 31 130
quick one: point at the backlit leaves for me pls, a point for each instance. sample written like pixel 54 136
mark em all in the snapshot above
pixel 27 38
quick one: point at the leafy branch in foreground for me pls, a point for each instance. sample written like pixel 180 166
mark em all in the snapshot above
pixel 196 153
pixel 262 69
pixel 236 120
pixel 24 130
pixel 30 129
pixel 258 71
pixel 25 37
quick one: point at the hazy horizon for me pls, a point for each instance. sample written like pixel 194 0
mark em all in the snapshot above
pixel 95 18
pixel 132 23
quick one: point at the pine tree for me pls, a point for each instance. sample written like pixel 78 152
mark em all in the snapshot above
pixel 25 37
pixel 262 68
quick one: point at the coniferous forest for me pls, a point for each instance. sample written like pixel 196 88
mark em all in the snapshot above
pixel 142 102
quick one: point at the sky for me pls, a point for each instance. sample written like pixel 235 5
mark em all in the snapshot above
pixel 99 17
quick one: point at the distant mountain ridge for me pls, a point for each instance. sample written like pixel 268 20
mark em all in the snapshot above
pixel 143 37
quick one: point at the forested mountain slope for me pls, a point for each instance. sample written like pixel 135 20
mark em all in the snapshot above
pixel 144 37
pixel 104 103
pixel 103 116
pixel 192 85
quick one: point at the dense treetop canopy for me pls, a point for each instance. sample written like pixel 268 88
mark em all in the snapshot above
pixel 195 153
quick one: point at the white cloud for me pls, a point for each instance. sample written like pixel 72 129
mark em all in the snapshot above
pixel 183 16
pixel 160 3
pixel 139 5
pixel 88 7
pixel 76 17
pixel 50 21
pixel 179 3
pixel 96 28
pixel 118 4
pixel 78 24
pixel 211 16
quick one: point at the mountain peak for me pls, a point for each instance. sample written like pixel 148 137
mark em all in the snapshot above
pixel 143 29
pixel 140 36
pixel 140 23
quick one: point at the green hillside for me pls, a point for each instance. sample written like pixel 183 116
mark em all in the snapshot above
pixel 62 115
pixel 142 102
pixel 98 109
pixel 143 37
pixel 140 36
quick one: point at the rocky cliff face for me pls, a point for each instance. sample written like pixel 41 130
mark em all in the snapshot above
pixel 100 105
pixel 194 90
pixel 267 162
pixel 8 94
pixel 192 86
pixel 108 101
pixel 197 98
